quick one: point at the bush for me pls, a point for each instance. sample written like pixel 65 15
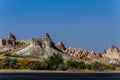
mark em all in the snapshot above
pixel 97 66
pixel 10 63
pixel 75 64
pixel 71 64
pixel 24 63
pixel 54 61
pixel 5 53
pixel 36 65
pixel 81 65
pixel 88 66
pixel 62 67
pixel 112 66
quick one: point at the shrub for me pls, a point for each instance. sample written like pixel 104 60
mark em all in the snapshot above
pixel 62 67
pixel 75 64
pixel 112 66
pixel 81 65
pixel 5 53
pixel 10 63
pixel 71 64
pixel 97 66
pixel 24 63
pixel 54 61
pixel 36 65
pixel 88 66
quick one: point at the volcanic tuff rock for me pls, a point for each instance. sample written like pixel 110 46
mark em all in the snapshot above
pixel 11 36
pixel 112 53
pixel 41 47
pixel 78 53
pixel 113 49
pixel 44 47
pixel 60 46
pixel 10 41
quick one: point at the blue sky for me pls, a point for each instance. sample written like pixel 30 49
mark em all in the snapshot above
pixel 88 24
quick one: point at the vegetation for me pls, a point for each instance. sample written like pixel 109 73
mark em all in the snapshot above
pixel 10 63
pixel 5 53
pixel 62 67
pixel 54 62
pixel 36 65
pixel 75 64
pixel 97 66
pixel 24 63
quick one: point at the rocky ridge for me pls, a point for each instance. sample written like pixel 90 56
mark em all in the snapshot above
pixel 78 53
pixel 40 47
pixel 44 47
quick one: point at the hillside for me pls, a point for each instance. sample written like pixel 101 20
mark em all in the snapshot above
pixel 44 47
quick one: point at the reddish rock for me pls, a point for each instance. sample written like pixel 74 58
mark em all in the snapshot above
pixel 77 53
pixel 60 46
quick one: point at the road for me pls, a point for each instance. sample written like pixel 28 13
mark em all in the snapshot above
pixel 59 76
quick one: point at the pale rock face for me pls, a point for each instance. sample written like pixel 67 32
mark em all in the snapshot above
pixel 113 49
pixel 112 53
pixel 32 49
pixel 47 41
pixel 41 47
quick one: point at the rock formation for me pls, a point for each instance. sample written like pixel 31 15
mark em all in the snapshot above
pixel 47 41
pixel 11 37
pixel 41 47
pixel 113 49
pixel 112 53
pixel 60 46
pixel 44 47
pixel 11 40
pixel 78 53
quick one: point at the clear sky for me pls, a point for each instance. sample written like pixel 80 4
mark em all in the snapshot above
pixel 88 24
